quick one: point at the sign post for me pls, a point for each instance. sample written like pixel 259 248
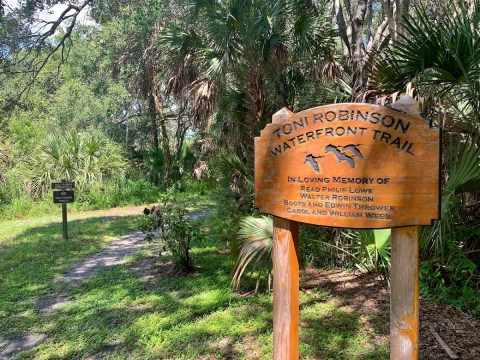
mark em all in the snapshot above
pixel 64 220
pixel 285 280
pixel 64 197
pixel 349 166
pixel 404 282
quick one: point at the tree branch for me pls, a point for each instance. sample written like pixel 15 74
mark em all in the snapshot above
pixel 36 42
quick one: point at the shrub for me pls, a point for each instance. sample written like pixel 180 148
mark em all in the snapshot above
pixel 176 229
pixel 455 282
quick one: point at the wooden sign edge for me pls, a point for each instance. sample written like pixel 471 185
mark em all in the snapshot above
pixel 419 116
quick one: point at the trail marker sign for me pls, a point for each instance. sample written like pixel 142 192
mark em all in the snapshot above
pixel 63 197
pixel 349 166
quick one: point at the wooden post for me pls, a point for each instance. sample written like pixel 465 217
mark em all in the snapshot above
pixel 285 280
pixel 285 289
pixel 64 218
pixel 64 221
pixel 404 297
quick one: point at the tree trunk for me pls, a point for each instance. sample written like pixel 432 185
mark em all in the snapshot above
pixel 395 10
pixel 155 94
pixel 153 124
pixel 352 18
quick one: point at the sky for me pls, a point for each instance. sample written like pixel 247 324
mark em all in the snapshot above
pixel 54 12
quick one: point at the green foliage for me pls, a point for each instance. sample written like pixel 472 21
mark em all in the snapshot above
pixel 133 191
pixel 243 60
pixel 457 282
pixel 441 58
pixel 317 247
pixel 366 249
pixel 112 193
pixel 178 233
pixel 370 249
pixel 463 164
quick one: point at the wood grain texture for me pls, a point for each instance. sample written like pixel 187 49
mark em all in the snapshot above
pixel 285 289
pixel 349 165
pixel 404 298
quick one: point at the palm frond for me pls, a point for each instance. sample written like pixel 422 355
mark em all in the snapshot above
pixel 256 242
pixel 371 248
pixel 463 166
pixel 441 58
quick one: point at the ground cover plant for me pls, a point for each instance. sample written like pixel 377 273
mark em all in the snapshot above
pixel 141 102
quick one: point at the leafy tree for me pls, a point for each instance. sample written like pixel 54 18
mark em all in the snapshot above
pixel 242 61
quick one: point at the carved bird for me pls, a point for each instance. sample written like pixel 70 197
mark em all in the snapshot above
pixel 341 156
pixel 354 149
pixel 311 160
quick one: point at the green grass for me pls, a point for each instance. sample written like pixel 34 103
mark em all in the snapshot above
pixel 33 254
pixel 117 315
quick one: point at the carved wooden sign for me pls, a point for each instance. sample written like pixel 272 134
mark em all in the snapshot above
pixel 349 165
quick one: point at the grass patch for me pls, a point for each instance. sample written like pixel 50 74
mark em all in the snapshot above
pixel 118 315
pixel 33 255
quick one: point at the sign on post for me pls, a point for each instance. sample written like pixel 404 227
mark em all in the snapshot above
pixel 63 197
pixel 348 166
pixel 63 185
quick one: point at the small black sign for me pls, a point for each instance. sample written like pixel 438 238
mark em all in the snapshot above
pixel 63 185
pixel 63 197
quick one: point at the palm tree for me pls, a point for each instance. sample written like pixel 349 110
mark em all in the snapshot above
pixel 241 60
pixel 87 158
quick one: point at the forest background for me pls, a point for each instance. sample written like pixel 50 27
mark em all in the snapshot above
pixel 154 97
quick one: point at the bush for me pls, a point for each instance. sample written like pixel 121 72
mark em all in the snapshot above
pixel 135 191
pixel 455 282
pixel 176 229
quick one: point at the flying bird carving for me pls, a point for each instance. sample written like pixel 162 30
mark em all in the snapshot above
pixel 354 149
pixel 343 156
pixel 311 160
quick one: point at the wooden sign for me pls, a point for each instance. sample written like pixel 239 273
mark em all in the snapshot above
pixel 63 197
pixel 63 185
pixel 349 165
